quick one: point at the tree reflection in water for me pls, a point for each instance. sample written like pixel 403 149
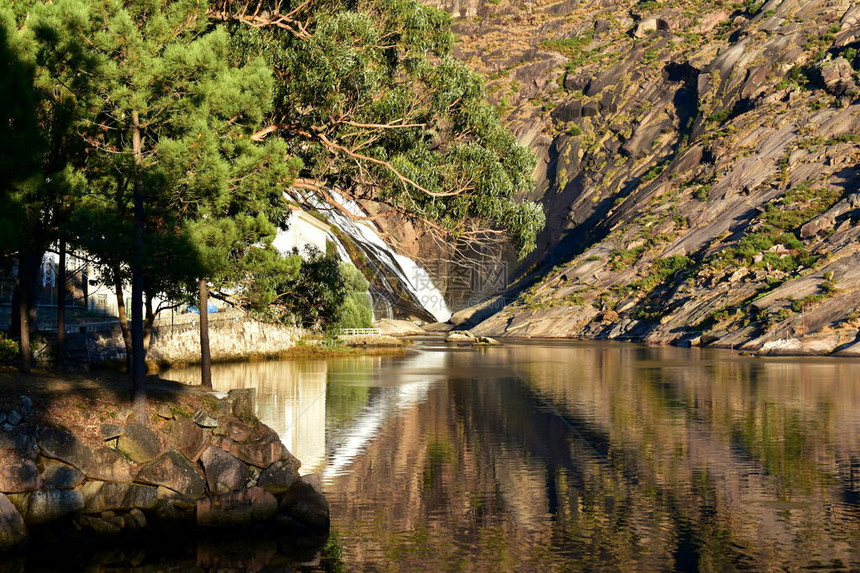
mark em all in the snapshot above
pixel 541 457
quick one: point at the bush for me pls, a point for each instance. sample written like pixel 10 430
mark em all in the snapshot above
pixel 355 311
pixel 8 349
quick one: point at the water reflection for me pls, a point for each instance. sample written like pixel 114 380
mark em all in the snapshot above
pixel 566 457
pixel 291 399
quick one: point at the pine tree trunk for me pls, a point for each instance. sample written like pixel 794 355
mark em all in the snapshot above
pixel 123 316
pixel 205 356
pixel 138 362
pixel 60 349
pixel 24 326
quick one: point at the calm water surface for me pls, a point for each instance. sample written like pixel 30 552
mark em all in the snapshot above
pixel 565 457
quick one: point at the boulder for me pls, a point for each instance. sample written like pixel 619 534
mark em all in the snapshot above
pixel 139 443
pixel 174 507
pixel 25 405
pixel 57 475
pixel 239 508
pixel 18 473
pixel 138 517
pixel 164 411
pixel 278 477
pixel 175 472
pixel 204 420
pixel 567 111
pixel 111 431
pixel 224 473
pixel 187 437
pixel 176 499
pixel 234 429
pixel 260 452
pixel 19 439
pixel 838 77
pixel 105 464
pixel 106 496
pixel 50 505
pixel 12 529
pixel 243 403
pixel 650 25
pixel 305 503
pixel 460 336
pixel 393 327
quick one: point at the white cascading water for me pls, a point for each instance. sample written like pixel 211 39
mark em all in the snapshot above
pixel 410 274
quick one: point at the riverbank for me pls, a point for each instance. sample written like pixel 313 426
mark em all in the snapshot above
pixel 75 459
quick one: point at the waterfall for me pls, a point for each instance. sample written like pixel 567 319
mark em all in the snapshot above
pixel 413 278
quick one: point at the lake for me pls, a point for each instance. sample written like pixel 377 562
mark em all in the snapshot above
pixel 547 456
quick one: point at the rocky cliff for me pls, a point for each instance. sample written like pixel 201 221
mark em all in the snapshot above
pixel 699 167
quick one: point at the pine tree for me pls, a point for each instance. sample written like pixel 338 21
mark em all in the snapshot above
pixel 39 154
pixel 170 131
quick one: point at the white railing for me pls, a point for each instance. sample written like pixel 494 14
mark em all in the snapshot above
pixel 360 332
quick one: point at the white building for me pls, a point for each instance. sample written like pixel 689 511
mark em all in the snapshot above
pixel 304 229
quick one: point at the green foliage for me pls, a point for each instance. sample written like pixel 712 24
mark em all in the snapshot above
pixel 373 103
pixel 212 195
pixel 574 130
pixel 720 117
pixel 660 270
pixel 750 6
pixel 574 49
pixel 366 99
pixel 569 47
pixel 355 311
pixel 654 172
pixel 307 291
pixel 8 349
pixel 620 259
pixel 797 77
pixel 777 225
pixel 701 192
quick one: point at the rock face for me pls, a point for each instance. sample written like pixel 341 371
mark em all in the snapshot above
pixel 104 496
pixel 13 531
pixel 223 468
pixel 50 505
pixel 18 473
pixel 695 158
pixel 224 473
pixel 100 463
pixel 174 472
pixel 139 443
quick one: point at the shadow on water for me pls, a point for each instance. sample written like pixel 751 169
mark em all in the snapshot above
pixel 176 550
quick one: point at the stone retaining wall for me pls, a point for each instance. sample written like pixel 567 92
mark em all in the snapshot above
pixel 232 337
pixel 220 467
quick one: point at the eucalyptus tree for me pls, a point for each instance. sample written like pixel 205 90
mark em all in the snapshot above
pixel 369 96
